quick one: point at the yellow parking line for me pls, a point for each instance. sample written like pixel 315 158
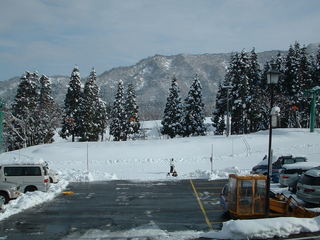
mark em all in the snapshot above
pixel 201 206
pixel 215 223
pixel 209 187
pixel 208 183
pixel 215 210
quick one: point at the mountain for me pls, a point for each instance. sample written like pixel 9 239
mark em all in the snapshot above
pixel 151 78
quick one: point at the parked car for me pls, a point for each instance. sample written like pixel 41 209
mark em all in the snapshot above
pixel 290 160
pixel 30 177
pixel 263 169
pixel 308 186
pixel 8 191
pixel 277 163
pixel 291 173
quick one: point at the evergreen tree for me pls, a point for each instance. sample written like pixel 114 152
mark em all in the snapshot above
pixel 219 112
pixel 316 69
pixel 89 128
pixel 238 77
pixel 254 93
pixel 71 106
pixel 132 109
pixel 119 122
pixel 316 81
pixel 47 112
pixel 102 117
pixel 304 77
pixel 24 111
pixel 193 123
pixel 172 119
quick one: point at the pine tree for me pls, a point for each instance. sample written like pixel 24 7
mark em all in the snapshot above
pixel 132 109
pixel 316 81
pixel 316 69
pixel 89 128
pixel 219 112
pixel 172 119
pixel 254 93
pixel 72 101
pixel 119 123
pixel 193 123
pixel 48 112
pixel 24 111
pixel 102 117
pixel 304 76
pixel 238 77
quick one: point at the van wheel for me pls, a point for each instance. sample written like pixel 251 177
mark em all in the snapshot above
pixel 30 189
pixel 4 197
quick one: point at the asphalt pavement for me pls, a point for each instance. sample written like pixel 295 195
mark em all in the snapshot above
pixel 118 207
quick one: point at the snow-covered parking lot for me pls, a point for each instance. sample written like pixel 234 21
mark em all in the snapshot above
pixel 148 160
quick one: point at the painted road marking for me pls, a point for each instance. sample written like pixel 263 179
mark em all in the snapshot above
pixel 196 186
pixel 201 206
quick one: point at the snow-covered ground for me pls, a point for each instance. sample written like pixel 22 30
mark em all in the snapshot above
pixel 147 160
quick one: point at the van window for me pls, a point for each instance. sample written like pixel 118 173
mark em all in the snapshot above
pixel 22 171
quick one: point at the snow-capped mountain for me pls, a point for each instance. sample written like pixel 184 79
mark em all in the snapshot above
pixel 151 78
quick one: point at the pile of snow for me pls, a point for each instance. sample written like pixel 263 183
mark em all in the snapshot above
pixel 148 231
pixel 265 228
pixel 31 199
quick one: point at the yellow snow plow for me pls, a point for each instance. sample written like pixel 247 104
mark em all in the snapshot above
pixel 246 199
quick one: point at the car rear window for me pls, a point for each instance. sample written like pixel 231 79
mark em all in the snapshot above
pixel 300 159
pixel 308 180
pixel 22 171
pixel 288 161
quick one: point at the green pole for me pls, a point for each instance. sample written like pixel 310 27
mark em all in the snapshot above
pixel 1 127
pixel 312 111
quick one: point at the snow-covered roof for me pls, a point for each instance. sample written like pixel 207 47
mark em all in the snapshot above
pixel 313 173
pixel 301 165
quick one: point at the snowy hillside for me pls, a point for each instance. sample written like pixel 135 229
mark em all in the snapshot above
pixel 149 159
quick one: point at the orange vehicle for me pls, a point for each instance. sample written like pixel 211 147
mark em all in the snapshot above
pixel 247 198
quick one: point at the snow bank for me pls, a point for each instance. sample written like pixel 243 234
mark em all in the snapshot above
pixel 31 199
pixel 265 228
pixel 149 231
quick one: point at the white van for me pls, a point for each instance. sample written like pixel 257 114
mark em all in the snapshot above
pixel 31 177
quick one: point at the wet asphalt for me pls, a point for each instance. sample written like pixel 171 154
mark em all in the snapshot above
pixel 103 208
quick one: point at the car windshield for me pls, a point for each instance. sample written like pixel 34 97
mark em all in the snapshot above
pixel 308 180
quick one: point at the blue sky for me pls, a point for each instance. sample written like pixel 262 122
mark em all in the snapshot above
pixel 51 36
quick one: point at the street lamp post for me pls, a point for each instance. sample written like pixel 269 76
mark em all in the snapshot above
pixel 272 79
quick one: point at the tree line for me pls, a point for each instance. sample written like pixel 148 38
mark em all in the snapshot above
pixel 249 92
pixel 33 117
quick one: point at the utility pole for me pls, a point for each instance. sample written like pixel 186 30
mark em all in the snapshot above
pixel 228 111
pixel 211 159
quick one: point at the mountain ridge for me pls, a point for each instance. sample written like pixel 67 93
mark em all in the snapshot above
pixel 151 77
